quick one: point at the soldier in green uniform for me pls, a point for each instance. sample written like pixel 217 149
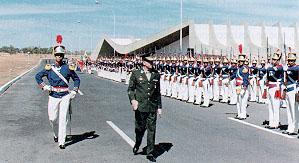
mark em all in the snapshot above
pixel 145 97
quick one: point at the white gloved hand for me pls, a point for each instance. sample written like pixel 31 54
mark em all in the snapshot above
pixel 285 67
pixel 159 112
pixel 73 94
pixel 47 88
pixel 134 105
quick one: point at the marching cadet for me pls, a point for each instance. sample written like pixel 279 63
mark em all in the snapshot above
pixel 198 82
pixel 253 70
pixel 168 76
pixel 180 78
pixel 163 76
pixel 174 87
pixel 232 83
pixel 291 88
pixel 216 72
pixel 191 83
pixel 224 78
pixel 60 96
pixel 261 79
pixel 144 95
pixel 211 79
pixel 184 86
pixel 206 75
pixel 242 83
pixel 274 81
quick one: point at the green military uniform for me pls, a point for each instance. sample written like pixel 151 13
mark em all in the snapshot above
pixel 147 93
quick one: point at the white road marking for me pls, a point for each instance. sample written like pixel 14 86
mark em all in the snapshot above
pixel 121 133
pixel 261 128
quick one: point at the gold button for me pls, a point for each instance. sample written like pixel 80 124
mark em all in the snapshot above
pixel 148 93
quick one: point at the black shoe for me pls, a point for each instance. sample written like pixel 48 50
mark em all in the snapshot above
pixel 292 133
pixel 62 146
pixel 242 118
pixel 267 126
pixel 135 149
pixel 55 139
pixel 273 127
pixel 285 132
pixel 151 158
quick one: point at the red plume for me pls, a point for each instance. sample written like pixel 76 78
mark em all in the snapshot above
pixel 240 48
pixel 59 39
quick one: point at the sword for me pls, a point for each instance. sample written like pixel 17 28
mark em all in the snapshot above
pixel 70 114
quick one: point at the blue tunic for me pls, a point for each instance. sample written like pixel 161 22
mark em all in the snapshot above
pixel 292 75
pixel 54 80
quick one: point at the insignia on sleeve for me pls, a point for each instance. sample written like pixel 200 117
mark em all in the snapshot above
pixel 48 67
pixel 72 67
pixel 245 70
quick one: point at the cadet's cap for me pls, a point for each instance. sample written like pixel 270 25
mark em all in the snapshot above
pixel 59 49
pixel 292 56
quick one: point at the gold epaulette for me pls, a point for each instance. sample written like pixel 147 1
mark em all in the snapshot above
pixel 48 67
pixel 72 67
pixel 245 70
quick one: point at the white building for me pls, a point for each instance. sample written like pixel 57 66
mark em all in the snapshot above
pixel 216 39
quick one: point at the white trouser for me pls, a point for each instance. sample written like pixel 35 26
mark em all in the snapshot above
pixel 179 88
pixel 292 111
pixel 191 90
pixel 168 85
pixel 225 83
pixel 216 89
pixel 242 103
pixel 252 89
pixel 185 90
pixel 173 86
pixel 206 98
pixel 233 93
pixel 198 93
pixel 61 105
pixel 261 88
pixel 210 88
pixel 273 106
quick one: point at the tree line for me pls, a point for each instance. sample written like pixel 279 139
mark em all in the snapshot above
pixel 32 50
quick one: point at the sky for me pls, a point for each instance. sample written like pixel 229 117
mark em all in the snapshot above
pixel 82 23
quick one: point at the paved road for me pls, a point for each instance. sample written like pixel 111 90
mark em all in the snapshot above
pixel 188 132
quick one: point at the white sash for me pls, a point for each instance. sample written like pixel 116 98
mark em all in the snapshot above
pixel 63 79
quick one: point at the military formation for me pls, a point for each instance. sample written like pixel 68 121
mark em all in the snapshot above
pixel 203 80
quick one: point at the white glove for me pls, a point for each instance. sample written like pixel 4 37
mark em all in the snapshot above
pixel 285 67
pixel 159 112
pixel 47 88
pixel 134 105
pixel 73 94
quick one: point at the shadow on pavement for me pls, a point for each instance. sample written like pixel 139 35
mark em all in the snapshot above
pixel 159 149
pixel 72 139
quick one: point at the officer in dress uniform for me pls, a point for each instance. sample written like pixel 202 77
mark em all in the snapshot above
pixel 180 79
pixel 232 83
pixel 59 93
pixel 198 82
pixel 274 81
pixel 261 81
pixel 242 83
pixel 291 88
pixel 144 95
pixel 224 78
pixel 253 70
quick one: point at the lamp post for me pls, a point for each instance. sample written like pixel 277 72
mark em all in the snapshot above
pixel 181 30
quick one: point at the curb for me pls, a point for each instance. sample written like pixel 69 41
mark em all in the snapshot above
pixel 8 84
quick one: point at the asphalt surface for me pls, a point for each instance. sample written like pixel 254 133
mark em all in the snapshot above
pixel 185 132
